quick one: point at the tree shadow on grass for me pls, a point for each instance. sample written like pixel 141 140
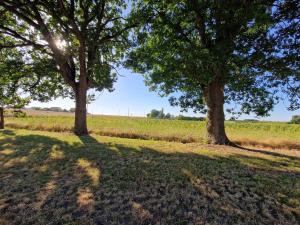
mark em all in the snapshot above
pixel 7 132
pixel 271 153
pixel 47 180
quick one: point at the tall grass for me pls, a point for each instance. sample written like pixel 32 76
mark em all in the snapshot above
pixel 267 134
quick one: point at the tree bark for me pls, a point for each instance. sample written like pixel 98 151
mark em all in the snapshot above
pixel 81 93
pixel 1 118
pixel 214 96
pixel 80 111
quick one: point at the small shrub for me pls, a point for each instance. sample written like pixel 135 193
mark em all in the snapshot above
pixel 19 114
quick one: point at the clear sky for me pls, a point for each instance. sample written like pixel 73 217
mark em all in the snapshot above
pixel 132 97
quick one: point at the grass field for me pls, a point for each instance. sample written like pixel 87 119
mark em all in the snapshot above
pixel 59 178
pixel 261 134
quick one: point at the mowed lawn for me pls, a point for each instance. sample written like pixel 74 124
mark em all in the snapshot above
pixel 261 134
pixel 60 178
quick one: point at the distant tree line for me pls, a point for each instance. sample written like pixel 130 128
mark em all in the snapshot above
pixel 159 114
pixel 53 109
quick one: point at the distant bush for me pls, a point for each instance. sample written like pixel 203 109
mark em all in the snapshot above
pixel 36 108
pixel 168 116
pixel 19 114
pixel 11 112
pixel 52 109
pixel 194 118
pixel 72 110
pixel 159 114
pixel 251 120
pixel 295 119
pixel 8 113
pixel 56 109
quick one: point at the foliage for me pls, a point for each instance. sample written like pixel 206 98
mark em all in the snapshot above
pixel 15 112
pixel 52 109
pixel 155 113
pixel 85 39
pixel 251 120
pixel 181 117
pixel 36 108
pixel 72 110
pixel 20 77
pixel 9 96
pixel 90 98
pixel 296 119
pixel 65 27
pixel 19 114
pixel 183 46
pixel 159 114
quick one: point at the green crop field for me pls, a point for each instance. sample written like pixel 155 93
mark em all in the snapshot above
pixel 264 134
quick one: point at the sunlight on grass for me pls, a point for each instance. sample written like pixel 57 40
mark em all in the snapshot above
pixel 280 164
pixel 56 153
pixel 141 213
pixel 92 172
pixel 7 152
pixel 42 168
pixel 116 150
pixel 85 198
pixel 45 192
pixel 16 161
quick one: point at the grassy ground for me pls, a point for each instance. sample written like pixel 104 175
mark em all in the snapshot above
pixel 262 134
pixel 58 178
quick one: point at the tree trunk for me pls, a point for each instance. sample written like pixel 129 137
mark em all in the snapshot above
pixel 214 96
pixel 80 111
pixel 1 118
pixel 81 94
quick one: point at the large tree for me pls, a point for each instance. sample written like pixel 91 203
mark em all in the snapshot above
pixel 85 38
pixel 23 79
pixel 216 52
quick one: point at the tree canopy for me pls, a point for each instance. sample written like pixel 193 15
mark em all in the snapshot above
pixel 84 38
pixel 216 52
pixel 23 80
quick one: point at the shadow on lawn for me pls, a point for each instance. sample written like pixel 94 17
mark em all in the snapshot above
pixel 272 153
pixel 48 181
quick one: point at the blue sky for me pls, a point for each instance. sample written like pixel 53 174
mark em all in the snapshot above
pixel 133 97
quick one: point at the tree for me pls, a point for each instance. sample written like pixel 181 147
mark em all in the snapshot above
pixel 295 119
pixel 154 113
pixel 85 38
pixel 9 98
pixel 19 77
pixel 168 116
pixel 216 52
